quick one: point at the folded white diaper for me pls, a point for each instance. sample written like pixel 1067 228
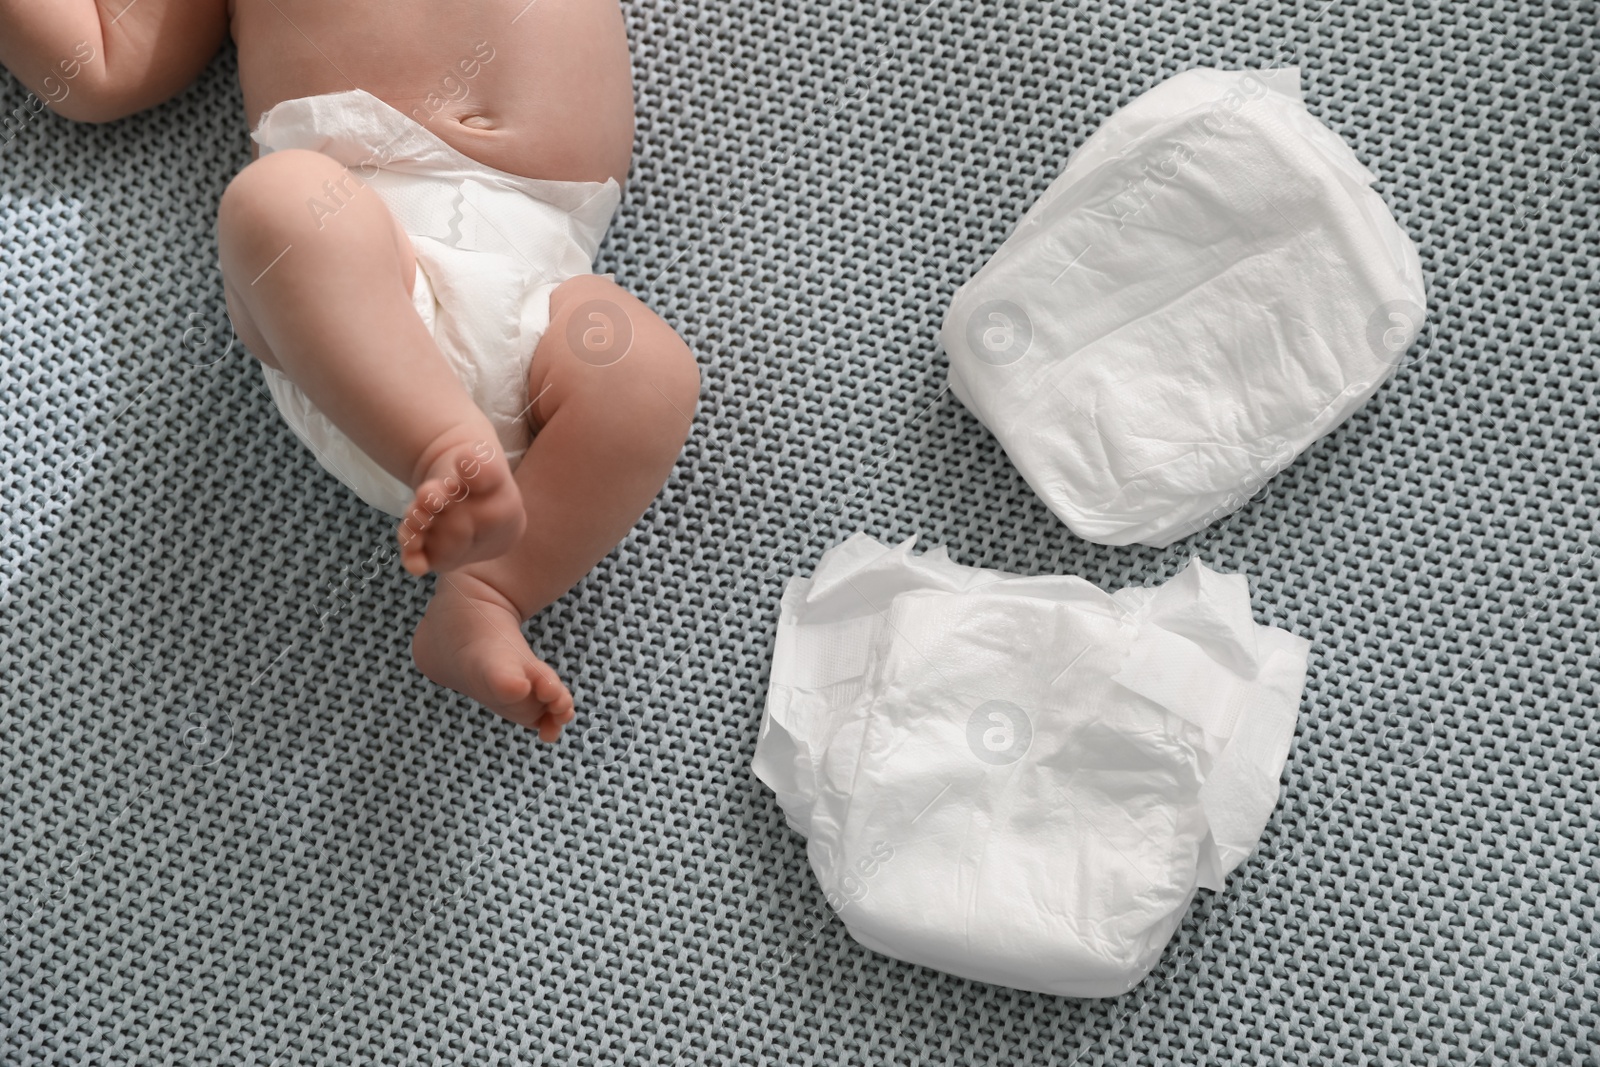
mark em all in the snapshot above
pixel 491 248
pixel 1022 780
pixel 1209 286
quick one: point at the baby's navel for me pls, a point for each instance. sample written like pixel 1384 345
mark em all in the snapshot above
pixel 478 122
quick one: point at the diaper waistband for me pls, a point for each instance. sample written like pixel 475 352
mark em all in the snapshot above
pixel 370 137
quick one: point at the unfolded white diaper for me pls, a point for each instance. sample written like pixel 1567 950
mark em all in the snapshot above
pixel 491 248
pixel 1209 286
pixel 1022 780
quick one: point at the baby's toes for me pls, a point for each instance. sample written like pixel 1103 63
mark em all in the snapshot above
pixel 555 702
pixel 548 688
pixel 504 684
pixel 412 534
pixel 551 724
pixel 427 540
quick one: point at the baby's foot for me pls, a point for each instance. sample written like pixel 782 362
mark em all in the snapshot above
pixel 467 507
pixel 470 640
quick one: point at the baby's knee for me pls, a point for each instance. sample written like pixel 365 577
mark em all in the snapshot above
pixel 621 358
pixel 284 194
pixel 654 395
pixel 670 365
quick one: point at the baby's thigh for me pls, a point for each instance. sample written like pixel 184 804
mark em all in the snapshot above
pixel 245 328
pixel 292 219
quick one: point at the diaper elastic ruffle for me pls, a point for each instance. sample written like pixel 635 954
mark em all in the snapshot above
pixel 1209 286
pixel 1022 780
pixel 491 247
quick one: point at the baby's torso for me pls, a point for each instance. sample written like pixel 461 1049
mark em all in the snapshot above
pixel 541 89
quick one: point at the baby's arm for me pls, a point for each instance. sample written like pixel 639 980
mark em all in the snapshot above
pixel 98 60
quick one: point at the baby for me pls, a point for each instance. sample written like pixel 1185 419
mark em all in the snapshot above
pixel 408 256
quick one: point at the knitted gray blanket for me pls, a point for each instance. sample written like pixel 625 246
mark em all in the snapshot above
pixel 238 827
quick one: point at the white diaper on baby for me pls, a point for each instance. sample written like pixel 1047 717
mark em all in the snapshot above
pixel 1209 286
pixel 491 248
pixel 1022 780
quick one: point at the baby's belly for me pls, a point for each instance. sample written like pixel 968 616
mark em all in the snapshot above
pixel 540 89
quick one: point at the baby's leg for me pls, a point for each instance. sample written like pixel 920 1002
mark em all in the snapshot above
pixel 608 435
pixel 326 300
